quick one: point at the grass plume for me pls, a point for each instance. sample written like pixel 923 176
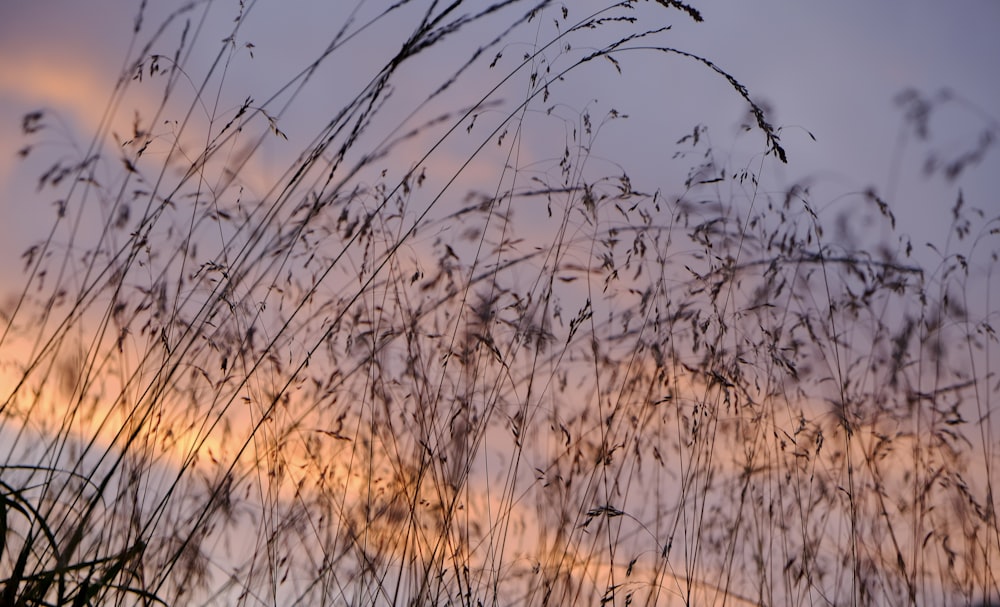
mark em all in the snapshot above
pixel 448 352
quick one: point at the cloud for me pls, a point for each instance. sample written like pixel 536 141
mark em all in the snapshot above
pixel 74 92
pixel 77 88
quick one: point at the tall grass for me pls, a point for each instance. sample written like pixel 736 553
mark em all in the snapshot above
pixel 450 354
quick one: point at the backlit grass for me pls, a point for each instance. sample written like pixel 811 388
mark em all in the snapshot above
pixel 437 347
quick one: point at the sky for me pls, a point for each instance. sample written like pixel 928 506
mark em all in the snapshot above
pixel 830 68
pixel 828 72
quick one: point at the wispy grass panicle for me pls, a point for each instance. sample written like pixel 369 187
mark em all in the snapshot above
pixel 437 344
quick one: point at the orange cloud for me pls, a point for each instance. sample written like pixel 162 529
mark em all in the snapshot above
pixel 77 89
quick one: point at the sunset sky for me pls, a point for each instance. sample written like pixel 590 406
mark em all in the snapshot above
pixel 831 76
pixel 830 68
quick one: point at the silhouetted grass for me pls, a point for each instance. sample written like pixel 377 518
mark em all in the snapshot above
pixel 450 355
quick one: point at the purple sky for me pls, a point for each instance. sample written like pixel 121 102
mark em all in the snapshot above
pixel 831 68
